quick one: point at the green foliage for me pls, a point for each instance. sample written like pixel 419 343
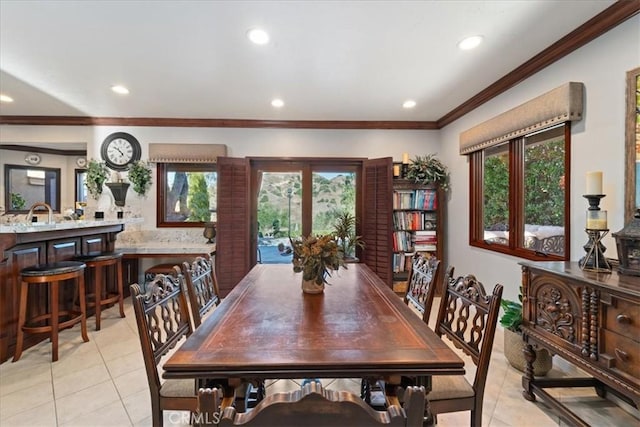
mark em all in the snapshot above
pixel 512 317
pixel 344 230
pixel 428 170
pixel 140 177
pixel 198 198
pixel 496 190
pixel 543 186
pixel 17 201
pixel 97 173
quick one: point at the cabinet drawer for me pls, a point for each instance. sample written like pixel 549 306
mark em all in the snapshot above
pixel 621 353
pixel 623 317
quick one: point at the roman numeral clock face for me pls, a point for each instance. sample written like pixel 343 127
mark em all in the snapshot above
pixel 119 150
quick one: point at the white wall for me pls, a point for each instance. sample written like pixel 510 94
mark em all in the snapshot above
pixel 597 144
pixel 239 142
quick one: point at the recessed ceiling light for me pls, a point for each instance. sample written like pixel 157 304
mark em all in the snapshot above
pixel 5 98
pixel 120 90
pixel 409 103
pixel 470 42
pixel 278 103
pixel 258 36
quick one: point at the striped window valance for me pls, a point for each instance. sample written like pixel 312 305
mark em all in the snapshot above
pixel 557 106
pixel 186 153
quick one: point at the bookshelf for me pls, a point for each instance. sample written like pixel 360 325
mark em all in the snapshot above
pixel 418 225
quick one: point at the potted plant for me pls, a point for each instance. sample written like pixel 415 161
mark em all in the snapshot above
pixel 140 176
pixel 315 257
pixel 428 170
pixel 514 344
pixel 344 231
pixel 96 177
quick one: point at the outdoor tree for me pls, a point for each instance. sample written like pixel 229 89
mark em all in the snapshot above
pixel 198 198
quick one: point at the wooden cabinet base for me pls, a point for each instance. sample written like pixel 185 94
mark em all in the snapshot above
pixel 588 319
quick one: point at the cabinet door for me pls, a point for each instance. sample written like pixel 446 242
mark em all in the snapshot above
pixel 63 249
pixel 556 309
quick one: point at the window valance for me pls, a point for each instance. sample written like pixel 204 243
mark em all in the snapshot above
pixel 559 105
pixel 186 153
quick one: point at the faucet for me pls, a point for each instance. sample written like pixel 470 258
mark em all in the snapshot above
pixel 40 204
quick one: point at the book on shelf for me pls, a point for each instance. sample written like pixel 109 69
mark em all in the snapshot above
pixel 423 199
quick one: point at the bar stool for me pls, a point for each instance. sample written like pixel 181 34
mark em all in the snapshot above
pixel 99 263
pixel 51 275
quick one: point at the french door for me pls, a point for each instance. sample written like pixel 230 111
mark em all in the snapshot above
pixel 298 198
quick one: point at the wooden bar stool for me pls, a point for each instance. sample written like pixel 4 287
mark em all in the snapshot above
pixel 99 264
pixel 51 275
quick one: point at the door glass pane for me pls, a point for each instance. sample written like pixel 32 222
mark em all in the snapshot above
pixel 334 193
pixel 279 215
pixel 544 191
pixel 495 189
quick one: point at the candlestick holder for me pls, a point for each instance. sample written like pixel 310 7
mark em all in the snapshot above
pixel 596 229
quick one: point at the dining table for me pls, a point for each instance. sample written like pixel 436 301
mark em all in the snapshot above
pixel 268 328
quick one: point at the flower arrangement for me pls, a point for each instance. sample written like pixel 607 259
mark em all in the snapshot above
pixel 96 177
pixel 427 170
pixel 316 257
pixel 140 176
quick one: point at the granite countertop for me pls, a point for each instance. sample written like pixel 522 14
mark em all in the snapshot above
pixel 65 225
pixel 155 247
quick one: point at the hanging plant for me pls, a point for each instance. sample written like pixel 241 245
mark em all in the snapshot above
pixel 97 173
pixel 140 177
pixel 428 170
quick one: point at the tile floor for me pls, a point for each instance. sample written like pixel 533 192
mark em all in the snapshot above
pixel 103 383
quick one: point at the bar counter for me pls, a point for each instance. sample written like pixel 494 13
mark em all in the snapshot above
pixel 25 245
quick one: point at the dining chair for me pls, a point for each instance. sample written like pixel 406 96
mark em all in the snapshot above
pixel 422 284
pixel 162 316
pixel 468 317
pixel 202 287
pixel 313 406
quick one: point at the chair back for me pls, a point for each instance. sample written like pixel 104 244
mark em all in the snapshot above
pixel 468 317
pixel 162 316
pixel 202 287
pixel 422 284
pixel 313 406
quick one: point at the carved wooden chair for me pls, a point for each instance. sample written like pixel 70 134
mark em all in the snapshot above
pixel 162 316
pixel 313 406
pixel 422 284
pixel 202 287
pixel 468 317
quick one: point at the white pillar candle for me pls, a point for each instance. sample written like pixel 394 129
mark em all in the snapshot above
pixel 405 158
pixel 594 182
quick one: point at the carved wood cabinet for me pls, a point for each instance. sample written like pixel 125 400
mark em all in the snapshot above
pixel 590 319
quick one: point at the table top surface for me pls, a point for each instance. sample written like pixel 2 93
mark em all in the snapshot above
pixel 268 328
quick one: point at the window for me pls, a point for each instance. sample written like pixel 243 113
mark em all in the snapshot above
pixel 520 197
pixel 186 194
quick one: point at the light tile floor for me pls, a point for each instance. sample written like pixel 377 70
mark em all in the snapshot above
pixel 103 383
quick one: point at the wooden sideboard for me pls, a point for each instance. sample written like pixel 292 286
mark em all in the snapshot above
pixel 590 319
pixel 24 249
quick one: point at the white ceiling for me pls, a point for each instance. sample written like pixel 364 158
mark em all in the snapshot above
pixel 328 60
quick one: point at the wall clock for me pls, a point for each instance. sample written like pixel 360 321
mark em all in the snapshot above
pixel 119 150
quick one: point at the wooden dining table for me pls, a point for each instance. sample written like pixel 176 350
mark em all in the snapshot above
pixel 267 328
